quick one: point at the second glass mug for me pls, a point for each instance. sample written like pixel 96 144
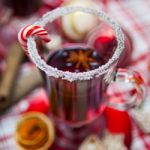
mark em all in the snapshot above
pixel 77 100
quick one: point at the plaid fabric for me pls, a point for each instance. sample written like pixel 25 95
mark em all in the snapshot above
pixel 134 17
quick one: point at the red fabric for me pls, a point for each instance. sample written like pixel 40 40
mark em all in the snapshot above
pixel 119 122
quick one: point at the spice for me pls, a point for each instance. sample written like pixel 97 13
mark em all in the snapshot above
pixel 81 58
pixel 13 61
pixel 34 131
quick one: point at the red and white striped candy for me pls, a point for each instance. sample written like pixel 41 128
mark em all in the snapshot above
pixel 32 30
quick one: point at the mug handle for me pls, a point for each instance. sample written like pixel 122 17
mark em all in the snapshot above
pixel 138 92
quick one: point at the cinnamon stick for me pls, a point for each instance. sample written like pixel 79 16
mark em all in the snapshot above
pixel 27 83
pixel 13 61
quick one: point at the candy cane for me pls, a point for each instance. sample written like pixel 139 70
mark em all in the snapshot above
pixel 32 30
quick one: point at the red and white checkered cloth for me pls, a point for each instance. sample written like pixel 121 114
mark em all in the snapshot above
pixel 134 16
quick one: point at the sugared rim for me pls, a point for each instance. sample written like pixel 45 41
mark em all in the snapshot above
pixel 70 76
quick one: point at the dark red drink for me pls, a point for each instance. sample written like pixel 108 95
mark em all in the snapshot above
pixel 76 106
pixel 80 100
pixel 76 59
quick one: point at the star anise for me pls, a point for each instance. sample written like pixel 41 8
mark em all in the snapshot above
pixel 81 58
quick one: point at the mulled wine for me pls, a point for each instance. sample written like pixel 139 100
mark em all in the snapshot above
pixel 76 102
pixel 76 59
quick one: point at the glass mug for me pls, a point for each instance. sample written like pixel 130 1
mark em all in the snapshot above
pixel 77 97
